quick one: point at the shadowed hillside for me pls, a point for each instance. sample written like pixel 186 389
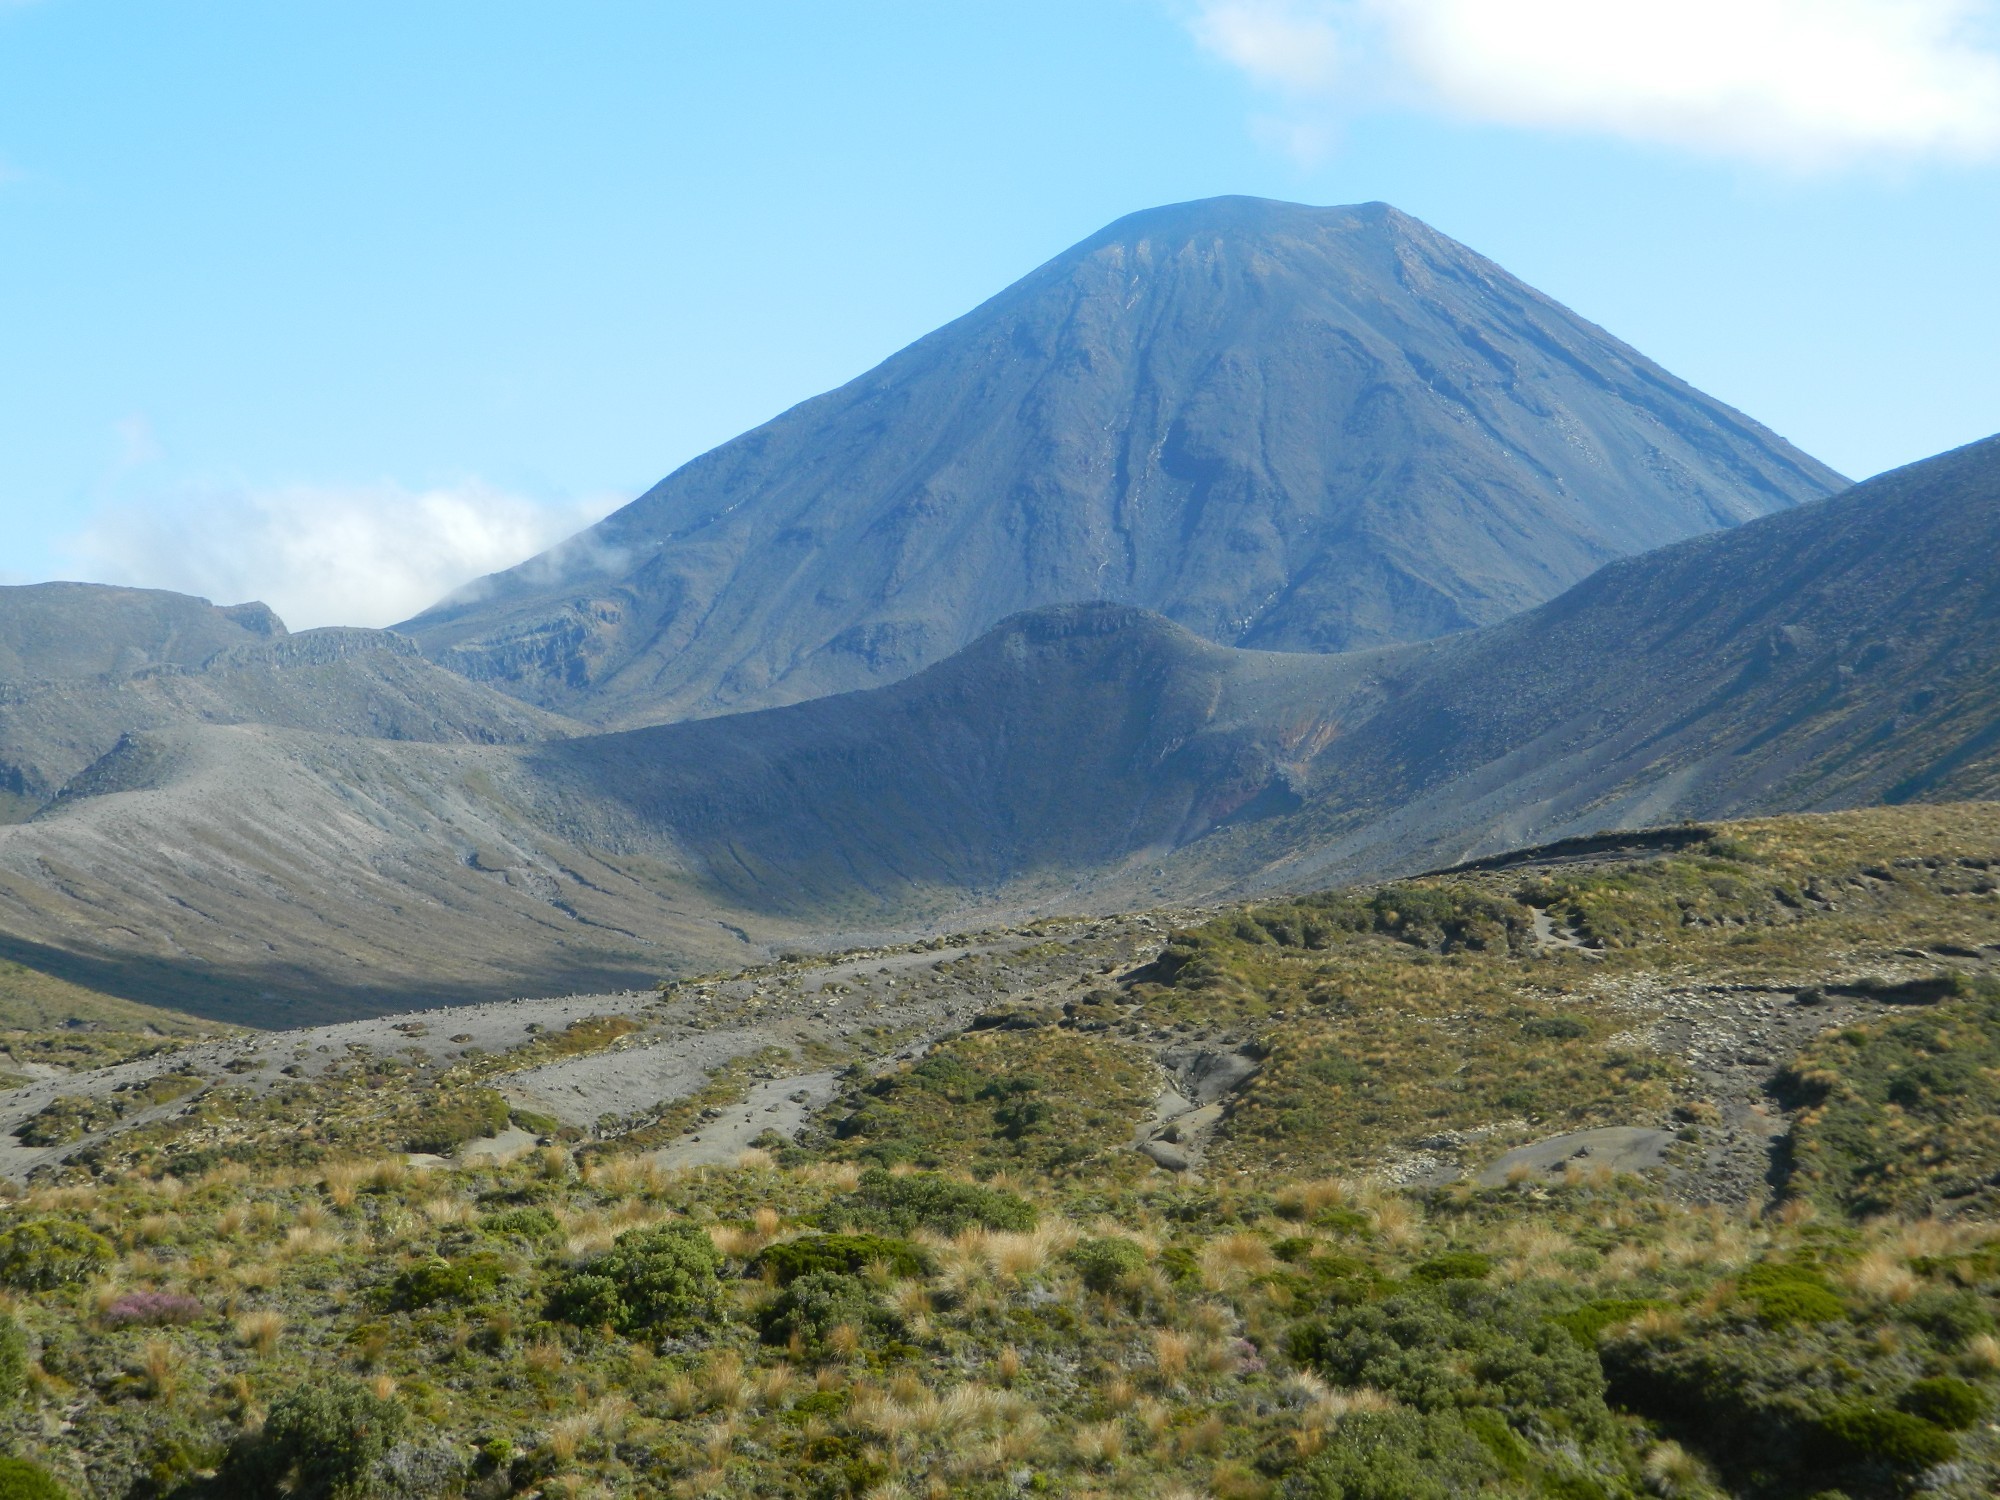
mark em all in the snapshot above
pixel 1841 654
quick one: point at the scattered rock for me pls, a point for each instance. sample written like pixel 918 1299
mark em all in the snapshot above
pixel 1163 1154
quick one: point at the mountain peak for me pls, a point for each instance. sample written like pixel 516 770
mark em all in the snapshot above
pixel 1278 425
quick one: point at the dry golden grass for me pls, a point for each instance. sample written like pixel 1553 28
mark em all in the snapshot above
pixel 343 1181
pixel 544 1356
pixel 156 1229
pixel 722 1382
pixel 1532 1249
pixel 624 1175
pixel 839 1176
pixel 1657 1323
pixel 445 1209
pixel 1933 1237
pixel 1672 1472
pixel 301 1240
pixel 75 1200
pixel 1882 1276
pixel 1231 1259
pixel 160 1368
pixel 738 1244
pixel 1099 1444
pixel 257 1275
pixel 718 1442
pixel 680 1394
pixel 1397 1221
pixel 1304 1200
pixel 604 1420
pixel 260 1331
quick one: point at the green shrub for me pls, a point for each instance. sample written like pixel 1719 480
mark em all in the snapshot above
pixel 814 1305
pixel 1462 1344
pixel 435 1279
pixel 13 1358
pixel 43 1254
pixel 824 1405
pixel 846 1253
pixel 1586 1323
pixel 21 1479
pixel 1946 1401
pixel 1398 1455
pixel 527 1223
pixel 1893 1437
pixel 1453 1265
pixel 1952 1318
pixel 1786 1294
pixel 1761 1404
pixel 649 1278
pixel 1555 1028
pixel 1105 1264
pixel 589 1300
pixel 891 1204
pixel 318 1443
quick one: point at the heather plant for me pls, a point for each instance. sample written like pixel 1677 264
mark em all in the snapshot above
pixel 152 1309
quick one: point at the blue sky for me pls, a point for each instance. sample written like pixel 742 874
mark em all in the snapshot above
pixel 339 304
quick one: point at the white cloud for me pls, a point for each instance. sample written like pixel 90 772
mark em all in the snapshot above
pixel 1797 83
pixel 324 555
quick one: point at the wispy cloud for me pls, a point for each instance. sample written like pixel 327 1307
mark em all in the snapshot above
pixel 1795 83
pixel 324 554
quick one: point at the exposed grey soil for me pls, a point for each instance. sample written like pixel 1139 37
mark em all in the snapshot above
pixel 780 1105
pixel 876 1005
pixel 257 1061
pixel 1616 1148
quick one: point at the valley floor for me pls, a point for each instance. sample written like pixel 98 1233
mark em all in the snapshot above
pixel 1671 1169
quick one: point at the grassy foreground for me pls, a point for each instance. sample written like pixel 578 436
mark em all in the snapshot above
pixel 963 1280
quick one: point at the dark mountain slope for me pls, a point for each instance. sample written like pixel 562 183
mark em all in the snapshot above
pixel 1062 741
pixel 1283 427
pixel 1841 654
